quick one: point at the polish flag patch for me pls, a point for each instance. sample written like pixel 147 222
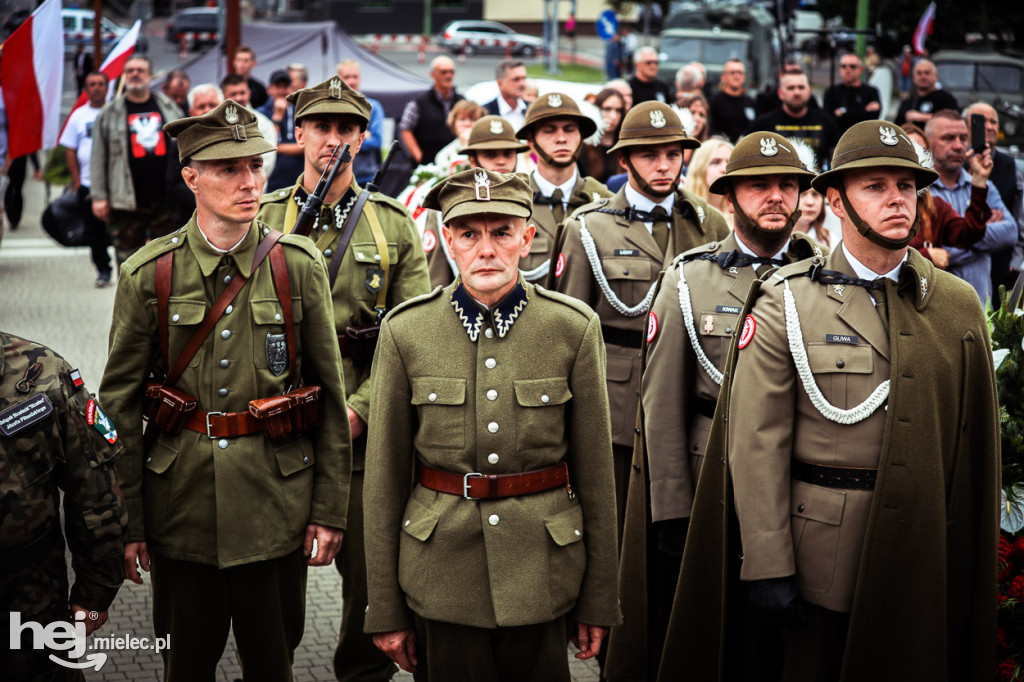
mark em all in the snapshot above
pixel 747 333
pixel 652 327
pixel 429 240
pixel 560 265
pixel 76 378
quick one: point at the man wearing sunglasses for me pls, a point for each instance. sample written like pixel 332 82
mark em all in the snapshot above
pixel 853 100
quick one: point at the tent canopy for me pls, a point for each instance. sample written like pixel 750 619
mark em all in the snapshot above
pixel 319 46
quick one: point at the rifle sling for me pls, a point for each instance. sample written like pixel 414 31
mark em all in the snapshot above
pixel 346 236
pixel 283 286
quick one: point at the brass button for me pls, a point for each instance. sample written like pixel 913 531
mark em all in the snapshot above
pixel 840 364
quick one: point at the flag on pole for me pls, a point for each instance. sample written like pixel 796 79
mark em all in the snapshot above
pixel 924 28
pixel 32 75
pixel 113 65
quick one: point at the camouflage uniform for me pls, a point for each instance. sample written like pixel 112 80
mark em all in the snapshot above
pixel 48 445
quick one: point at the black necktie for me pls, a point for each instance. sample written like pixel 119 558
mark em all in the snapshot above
pixel 659 228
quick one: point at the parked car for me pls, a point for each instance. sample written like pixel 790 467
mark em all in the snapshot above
pixel 78 30
pixel 988 77
pixel 199 25
pixel 486 36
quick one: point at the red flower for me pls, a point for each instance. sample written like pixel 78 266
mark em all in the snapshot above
pixel 1016 589
pixel 1006 670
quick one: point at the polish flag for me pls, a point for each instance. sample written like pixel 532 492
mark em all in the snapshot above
pixel 113 65
pixel 32 74
pixel 924 28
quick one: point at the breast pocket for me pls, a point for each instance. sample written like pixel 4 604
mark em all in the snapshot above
pixel 715 331
pixel 183 318
pixel 540 419
pixel 270 345
pixel 368 274
pixel 816 516
pixel 844 372
pixel 440 404
pixel 622 397
pixel 629 277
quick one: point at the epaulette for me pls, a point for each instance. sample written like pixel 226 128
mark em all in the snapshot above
pixel 803 246
pixel 274 197
pixel 154 250
pixel 298 241
pixel 395 204
pixel 699 206
pixel 798 269
pixel 596 188
pixel 415 301
pixel 592 206
pixel 574 303
pixel 689 255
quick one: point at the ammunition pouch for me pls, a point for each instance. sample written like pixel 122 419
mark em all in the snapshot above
pixel 167 407
pixel 359 343
pixel 294 412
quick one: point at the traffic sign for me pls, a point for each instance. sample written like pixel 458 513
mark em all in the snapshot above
pixel 607 24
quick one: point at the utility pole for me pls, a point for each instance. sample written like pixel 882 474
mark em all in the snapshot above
pixel 428 10
pixel 862 25
pixel 97 34
pixel 232 35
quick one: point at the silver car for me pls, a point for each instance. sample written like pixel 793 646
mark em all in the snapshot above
pixel 486 36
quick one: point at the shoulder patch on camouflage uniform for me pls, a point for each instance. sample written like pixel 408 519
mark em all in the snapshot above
pixel 98 419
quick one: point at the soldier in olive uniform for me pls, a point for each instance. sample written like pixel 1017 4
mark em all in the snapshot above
pixel 555 130
pixel 228 503
pixel 53 438
pixel 490 514
pixel 611 252
pixel 863 445
pixel 690 329
pixel 381 265
pixel 492 146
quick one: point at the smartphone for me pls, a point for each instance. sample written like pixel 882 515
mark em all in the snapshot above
pixel 978 133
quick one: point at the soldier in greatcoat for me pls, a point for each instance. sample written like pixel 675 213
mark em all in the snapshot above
pixel 490 512
pixel 689 332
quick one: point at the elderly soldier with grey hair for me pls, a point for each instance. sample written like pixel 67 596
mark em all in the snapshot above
pixel 861 432
pixel 223 338
pixel 489 499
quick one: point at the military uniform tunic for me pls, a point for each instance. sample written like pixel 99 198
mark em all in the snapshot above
pixel 455 391
pixel 351 295
pixel 629 261
pixel 54 437
pixel 537 264
pixel 238 500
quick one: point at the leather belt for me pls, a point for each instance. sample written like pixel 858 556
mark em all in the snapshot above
pixel 848 478
pixel 632 338
pixel 223 424
pixel 476 486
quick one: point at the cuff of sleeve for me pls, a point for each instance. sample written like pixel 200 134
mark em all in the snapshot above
pixel 93 596
pixel 330 505
pixel 387 614
pixel 768 555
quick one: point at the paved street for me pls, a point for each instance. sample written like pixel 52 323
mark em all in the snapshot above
pixel 47 295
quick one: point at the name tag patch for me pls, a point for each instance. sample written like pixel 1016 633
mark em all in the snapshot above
pixel 731 309
pixel 842 338
pixel 626 252
pixel 25 414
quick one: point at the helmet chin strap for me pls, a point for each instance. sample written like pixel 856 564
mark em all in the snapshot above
pixel 552 162
pixel 871 235
pixel 642 184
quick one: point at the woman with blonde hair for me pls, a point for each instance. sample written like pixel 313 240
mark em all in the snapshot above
pixel 706 166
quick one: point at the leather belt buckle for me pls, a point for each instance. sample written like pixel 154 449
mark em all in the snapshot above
pixel 208 425
pixel 466 484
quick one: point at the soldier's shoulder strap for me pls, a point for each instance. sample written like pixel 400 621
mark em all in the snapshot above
pixel 696 252
pixel 599 204
pixel 154 249
pixel 391 203
pixel 276 196
pixel 415 301
pixel 596 189
pixel 568 301
pixel 297 241
pixel 802 246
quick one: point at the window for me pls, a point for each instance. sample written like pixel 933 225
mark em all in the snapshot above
pixel 999 77
pixel 956 75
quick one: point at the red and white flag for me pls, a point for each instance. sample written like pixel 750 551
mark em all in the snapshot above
pixel 113 65
pixel 32 75
pixel 924 28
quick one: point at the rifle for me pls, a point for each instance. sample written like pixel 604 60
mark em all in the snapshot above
pixel 311 208
pixel 378 177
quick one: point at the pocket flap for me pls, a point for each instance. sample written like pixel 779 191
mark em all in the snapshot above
pixel 627 267
pixel 438 391
pixel 366 252
pixel 182 311
pixel 828 358
pixel 160 457
pixel 541 244
pixel 419 521
pixel 619 368
pixel 294 457
pixel 268 310
pixel 542 392
pixel 816 503
pixel 722 324
pixel 566 527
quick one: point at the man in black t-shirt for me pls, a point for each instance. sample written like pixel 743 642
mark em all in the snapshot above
pixel 645 83
pixel 927 98
pixel 851 101
pixel 129 189
pixel 797 121
pixel 731 109
pixel 243 64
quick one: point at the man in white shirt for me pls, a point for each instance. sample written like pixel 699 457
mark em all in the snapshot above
pixel 77 139
pixel 509 104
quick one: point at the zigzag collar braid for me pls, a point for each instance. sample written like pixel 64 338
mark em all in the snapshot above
pixel 500 317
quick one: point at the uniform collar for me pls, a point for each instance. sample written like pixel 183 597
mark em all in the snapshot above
pixel 642 203
pixel 299 194
pixel 547 189
pixel 864 272
pixel 209 258
pixel 747 250
pixel 499 317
